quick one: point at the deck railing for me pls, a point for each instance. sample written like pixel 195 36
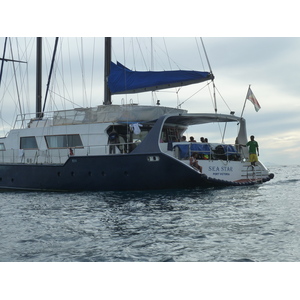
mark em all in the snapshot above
pixel 208 151
pixel 60 156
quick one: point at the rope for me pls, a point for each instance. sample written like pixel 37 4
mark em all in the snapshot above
pixel 15 76
pixel 194 94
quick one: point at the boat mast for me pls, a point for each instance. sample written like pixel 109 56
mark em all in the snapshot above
pixel 107 60
pixel 50 72
pixel 38 78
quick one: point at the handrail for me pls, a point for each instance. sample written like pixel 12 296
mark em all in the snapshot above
pixel 60 155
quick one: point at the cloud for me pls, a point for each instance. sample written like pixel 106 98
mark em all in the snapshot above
pixel 270 65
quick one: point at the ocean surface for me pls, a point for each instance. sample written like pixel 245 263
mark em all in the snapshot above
pixel 236 224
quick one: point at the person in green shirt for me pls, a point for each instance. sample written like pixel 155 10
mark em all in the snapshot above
pixel 253 149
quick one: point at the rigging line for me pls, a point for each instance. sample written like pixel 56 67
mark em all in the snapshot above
pixel 214 93
pixel 81 63
pixel 70 69
pixel 199 52
pixel 223 99
pixel 1 72
pixel 211 97
pixel 210 69
pixel 26 55
pixel 15 76
pixel 133 54
pixel 152 65
pixel 7 59
pixel 84 92
pixel 167 53
pixel 206 55
pixel 64 98
pixel 152 54
pixel 26 78
pixel 50 72
pixel 223 136
pixel 20 78
pixel 124 58
pixel 137 97
pixel 93 61
pixel 177 96
pixel 142 53
pixel 58 72
pixel 194 94
pixel 2 61
pixel 60 58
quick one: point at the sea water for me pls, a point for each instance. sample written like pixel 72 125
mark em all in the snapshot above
pixel 235 224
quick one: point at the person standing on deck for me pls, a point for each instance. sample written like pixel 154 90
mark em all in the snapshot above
pixel 113 141
pixel 253 147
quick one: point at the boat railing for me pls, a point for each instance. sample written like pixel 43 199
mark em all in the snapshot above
pixel 207 151
pixel 30 120
pixel 104 149
pixel 61 155
pixel 62 117
pixel 118 148
pixel 181 151
pixel 76 116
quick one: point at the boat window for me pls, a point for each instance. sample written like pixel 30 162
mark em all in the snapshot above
pixel 28 142
pixel 63 141
pixel 2 147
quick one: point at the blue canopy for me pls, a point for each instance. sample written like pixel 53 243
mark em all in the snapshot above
pixel 123 80
pixel 228 151
pixel 187 149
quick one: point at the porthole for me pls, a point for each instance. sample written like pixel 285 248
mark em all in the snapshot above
pixel 153 158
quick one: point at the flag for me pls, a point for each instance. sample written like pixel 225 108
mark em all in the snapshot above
pixel 251 97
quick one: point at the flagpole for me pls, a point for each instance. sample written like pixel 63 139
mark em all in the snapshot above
pixel 245 101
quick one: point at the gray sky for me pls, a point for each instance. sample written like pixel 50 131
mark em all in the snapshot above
pixel 253 45
pixel 270 65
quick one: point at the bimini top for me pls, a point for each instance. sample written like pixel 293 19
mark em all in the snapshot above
pixel 195 119
pixel 151 141
pixel 123 80
pixel 201 118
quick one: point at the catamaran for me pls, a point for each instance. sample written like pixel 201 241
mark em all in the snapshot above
pixel 122 146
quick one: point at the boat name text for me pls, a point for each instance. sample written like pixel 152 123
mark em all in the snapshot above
pixel 220 170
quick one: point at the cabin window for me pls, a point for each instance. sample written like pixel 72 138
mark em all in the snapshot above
pixel 2 147
pixel 63 141
pixel 28 142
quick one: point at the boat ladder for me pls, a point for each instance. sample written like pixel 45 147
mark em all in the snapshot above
pixel 253 173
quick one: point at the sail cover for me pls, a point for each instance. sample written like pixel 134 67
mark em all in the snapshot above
pixel 123 80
